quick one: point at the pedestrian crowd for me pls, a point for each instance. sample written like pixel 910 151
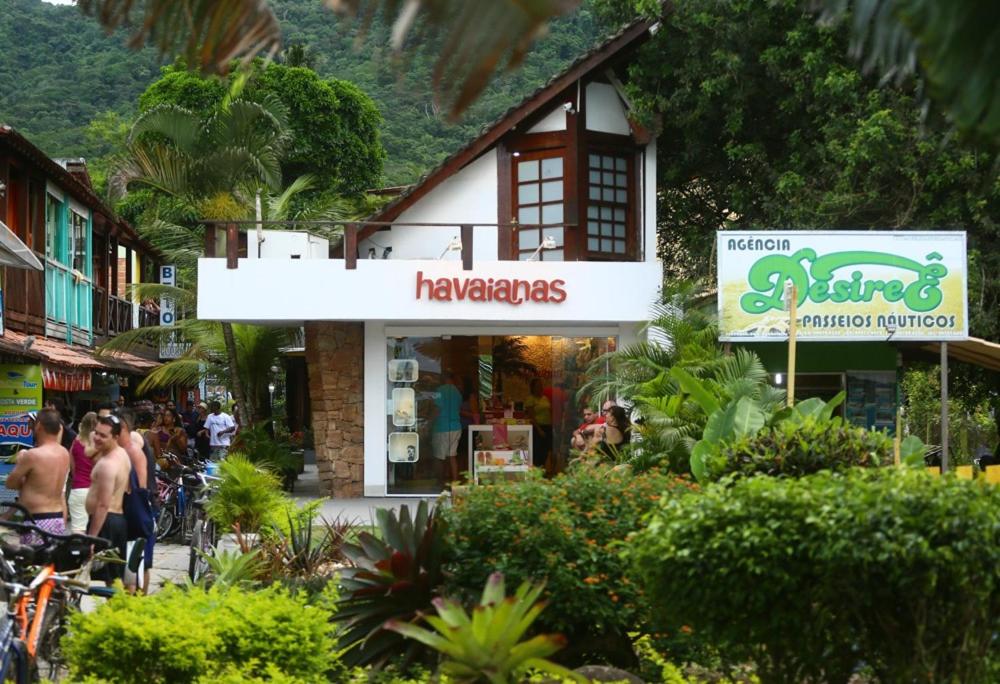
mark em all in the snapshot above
pixel 99 476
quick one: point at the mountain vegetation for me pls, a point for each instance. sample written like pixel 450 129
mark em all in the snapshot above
pixel 60 73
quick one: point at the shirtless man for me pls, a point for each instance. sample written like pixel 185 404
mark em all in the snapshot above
pixel 108 482
pixel 40 476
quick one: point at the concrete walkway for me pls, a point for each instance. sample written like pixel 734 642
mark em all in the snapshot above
pixel 170 563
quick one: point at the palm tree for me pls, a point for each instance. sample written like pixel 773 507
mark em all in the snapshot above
pixel 477 38
pixel 256 349
pixel 208 163
pixel 683 336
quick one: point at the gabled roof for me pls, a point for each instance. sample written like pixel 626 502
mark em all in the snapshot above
pixel 70 182
pixel 628 37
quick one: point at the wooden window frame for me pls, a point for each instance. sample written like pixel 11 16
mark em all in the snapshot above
pixel 617 146
pixel 527 152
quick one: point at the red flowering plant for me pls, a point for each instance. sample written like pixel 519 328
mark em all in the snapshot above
pixel 567 532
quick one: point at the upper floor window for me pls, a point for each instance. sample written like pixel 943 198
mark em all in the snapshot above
pixel 539 193
pixel 53 211
pixel 608 216
pixel 78 226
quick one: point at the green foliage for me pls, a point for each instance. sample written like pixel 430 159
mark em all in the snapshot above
pixel 247 495
pixel 261 448
pixel 392 576
pixel 487 646
pixel 196 635
pixel 61 71
pixel 796 449
pixel 809 577
pixel 235 568
pixel 766 121
pixel 971 423
pixel 333 126
pixel 566 532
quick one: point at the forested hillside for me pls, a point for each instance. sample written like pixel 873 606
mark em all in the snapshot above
pixel 59 71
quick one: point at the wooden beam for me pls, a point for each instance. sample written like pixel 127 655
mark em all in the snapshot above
pixel 232 245
pixel 210 242
pixel 351 246
pixel 505 206
pixel 467 247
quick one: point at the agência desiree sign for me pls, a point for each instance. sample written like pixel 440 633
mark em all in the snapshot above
pixel 851 285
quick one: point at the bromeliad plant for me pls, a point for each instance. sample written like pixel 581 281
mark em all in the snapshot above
pixel 394 577
pixel 487 646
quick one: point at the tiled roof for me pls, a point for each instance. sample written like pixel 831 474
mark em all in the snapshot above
pixel 73 355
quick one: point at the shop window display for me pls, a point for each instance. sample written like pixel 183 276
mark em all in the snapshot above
pixel 444 391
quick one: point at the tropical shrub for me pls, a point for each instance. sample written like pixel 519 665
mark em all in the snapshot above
pixel 247 495
pixel 790 449
pixel 394 576
pixel 487 646
pixel 566 532
pixel 196 635
pixel 810 577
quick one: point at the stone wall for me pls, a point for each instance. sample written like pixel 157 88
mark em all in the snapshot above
pixel 335 358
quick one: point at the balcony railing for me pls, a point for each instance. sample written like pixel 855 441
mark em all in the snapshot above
pixel 113 315
pixel 238 234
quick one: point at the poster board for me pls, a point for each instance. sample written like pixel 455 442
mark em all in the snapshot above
pixel 852 285
pixel 20 393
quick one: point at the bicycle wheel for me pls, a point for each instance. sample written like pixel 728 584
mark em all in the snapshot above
pixel 50 663
pixel 165 522
pixel 201 543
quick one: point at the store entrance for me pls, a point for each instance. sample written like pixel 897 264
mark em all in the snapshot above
pixel 482 407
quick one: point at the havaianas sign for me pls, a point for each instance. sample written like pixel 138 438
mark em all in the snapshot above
pixel 851 285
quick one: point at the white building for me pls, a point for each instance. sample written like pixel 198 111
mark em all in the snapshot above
pixel 557 266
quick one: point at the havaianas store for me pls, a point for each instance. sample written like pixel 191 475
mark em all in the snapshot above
pixel 862 300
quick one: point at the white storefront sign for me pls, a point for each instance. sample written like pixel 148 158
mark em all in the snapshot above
pixel 851 285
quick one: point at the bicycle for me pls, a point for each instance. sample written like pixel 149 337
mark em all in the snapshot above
pixel 204 535
pixel 40 601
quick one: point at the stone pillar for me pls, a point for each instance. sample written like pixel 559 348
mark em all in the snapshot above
pixel 336 360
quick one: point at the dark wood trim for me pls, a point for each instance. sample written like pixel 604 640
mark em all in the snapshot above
pixel 113 290
pixel 629 37
pixel 129 279
pixel 210 241
pixel 351 246
pixel 232 245
pixel 505 204
pixel 571 187
pixel 530 142
pixel 467 247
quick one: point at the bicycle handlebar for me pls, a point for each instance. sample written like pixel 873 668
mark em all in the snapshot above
pixel 59 549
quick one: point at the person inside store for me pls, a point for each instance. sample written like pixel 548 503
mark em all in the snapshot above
pixel 539 410
pixel 446 423
pixel 469 414
pixel 615 433
pixel 583 434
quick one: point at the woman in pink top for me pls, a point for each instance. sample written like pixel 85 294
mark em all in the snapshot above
pixel 82 453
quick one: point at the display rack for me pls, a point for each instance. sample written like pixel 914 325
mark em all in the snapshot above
pixel 499 451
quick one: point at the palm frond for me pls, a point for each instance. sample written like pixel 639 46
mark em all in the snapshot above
pixel 209 33
pixel 181 296
pixel 178 125
pixel 181 372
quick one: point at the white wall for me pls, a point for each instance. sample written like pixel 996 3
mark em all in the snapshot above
pixel 648 190
pixel 605 110
pixel 467 197
pixel 553 121
pixel 283 244
pixel 282 291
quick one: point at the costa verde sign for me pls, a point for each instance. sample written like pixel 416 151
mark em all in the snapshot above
pixel 851 285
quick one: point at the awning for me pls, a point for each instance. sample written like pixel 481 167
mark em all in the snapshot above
pixel 15 253
pixel 976 351
pixel 73 359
